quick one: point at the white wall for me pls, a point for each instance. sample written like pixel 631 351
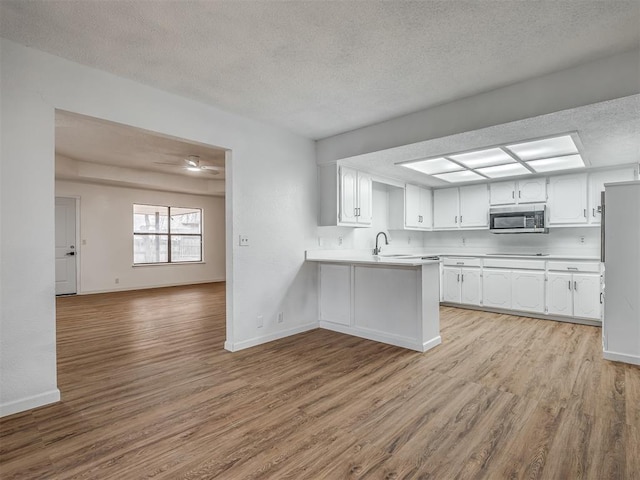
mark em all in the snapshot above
pixel 271 197
pixel 106 248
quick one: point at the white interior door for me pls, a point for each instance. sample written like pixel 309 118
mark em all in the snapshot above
pixel 66 254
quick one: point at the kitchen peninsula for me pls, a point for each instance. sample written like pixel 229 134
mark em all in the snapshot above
pixel 393 300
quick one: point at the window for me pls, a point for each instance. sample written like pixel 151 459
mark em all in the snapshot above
pixel 166 234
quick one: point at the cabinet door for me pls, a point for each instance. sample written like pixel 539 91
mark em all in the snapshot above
pixel 560 294
pixel 470 286
pixel 474 206
pixel 502 193
pixel 586 295
pixel 364 199
pixel 412 206
pixel 527 292
pixel 496 288
pixel 335 293
pixel 348 195
pixel 532 190
pixel 426 209
pixel 451 285
pixel 568 199
pixel 445 208
pixel 596 187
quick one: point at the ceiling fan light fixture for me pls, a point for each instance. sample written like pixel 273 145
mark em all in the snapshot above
pixel 194 169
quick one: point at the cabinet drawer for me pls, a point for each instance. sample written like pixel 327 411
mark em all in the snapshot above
pixel 461 262
pixel 575 266
pixel 513 263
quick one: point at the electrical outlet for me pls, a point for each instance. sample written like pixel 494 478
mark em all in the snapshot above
pixel 117 280
pixel 280 317
pixel 582 240
pixel 339 240
pixel 243 240
pixel 464 241
pixel 260 321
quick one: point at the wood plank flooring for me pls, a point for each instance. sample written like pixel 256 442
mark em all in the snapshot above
pixel 149 392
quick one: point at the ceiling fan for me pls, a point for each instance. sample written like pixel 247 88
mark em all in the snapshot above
pixel 192 163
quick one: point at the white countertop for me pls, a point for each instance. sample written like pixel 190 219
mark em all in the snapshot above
pixel 415 258
pixel 367 259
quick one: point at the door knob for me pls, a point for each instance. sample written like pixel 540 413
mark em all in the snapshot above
pixel 71 254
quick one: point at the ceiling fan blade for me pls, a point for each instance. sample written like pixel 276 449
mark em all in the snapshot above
pixel 171 164
pixel 211 168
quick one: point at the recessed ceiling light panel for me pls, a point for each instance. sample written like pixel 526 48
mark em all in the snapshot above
pixel 433 166
pixel 545 148
pixel 509 170
pixel 459 177
pixel 483 158
pixel 559 163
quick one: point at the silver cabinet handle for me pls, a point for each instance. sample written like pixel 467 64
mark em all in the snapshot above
pixel 519 194
pixel 513 194
pixel 569 284
pixel 600 298
pixel 458 277
pixel 575 285
pixel 460 219
pixel 456 219
pixel 463 278
pixel 459 263
pixel 572 268
pixel 585 213
pixel 593 212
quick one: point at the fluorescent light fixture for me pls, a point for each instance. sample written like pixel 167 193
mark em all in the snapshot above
pixel 509 170
pixel 557 163
pixel 545 148
pixel 458 177
pixel 435 165
pixel 483 158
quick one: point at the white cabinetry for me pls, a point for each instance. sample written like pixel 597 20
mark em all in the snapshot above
pixel 461 284
pixel 464 207
pixel 417 208
pixel 596 187
pixel 446 208
pixel 345 196
pixel 567 200
pixel 574 293
pixel 527 291
pixel 496 288
pixel 532 190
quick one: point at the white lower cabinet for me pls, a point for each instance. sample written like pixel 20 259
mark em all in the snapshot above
pixel 496 288
pixel 461 285
pixel 527 291
pixel 574 295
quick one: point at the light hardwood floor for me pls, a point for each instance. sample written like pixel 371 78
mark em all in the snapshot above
pixel 149 392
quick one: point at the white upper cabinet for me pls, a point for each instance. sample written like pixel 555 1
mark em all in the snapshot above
pixel 446 208
pixel 568 200
pixel 532 190
pixel 474 206
pixel 464 207
pixel 417 207
pixel 596 187
pixel 345 196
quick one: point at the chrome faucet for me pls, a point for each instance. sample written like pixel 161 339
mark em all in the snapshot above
pixel 377 250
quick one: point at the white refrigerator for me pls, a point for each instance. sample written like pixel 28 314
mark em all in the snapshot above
pixel 621 239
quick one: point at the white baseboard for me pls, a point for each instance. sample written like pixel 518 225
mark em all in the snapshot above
pixel 28 403
pixel 146 287
pixel 382 337
pixel 234 347
pixel 621 357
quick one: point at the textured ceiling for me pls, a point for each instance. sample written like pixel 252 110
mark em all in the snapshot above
pixel 609 133
pixel 322 68
pixel 92 140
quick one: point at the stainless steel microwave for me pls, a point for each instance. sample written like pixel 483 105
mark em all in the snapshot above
pixel 530 218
